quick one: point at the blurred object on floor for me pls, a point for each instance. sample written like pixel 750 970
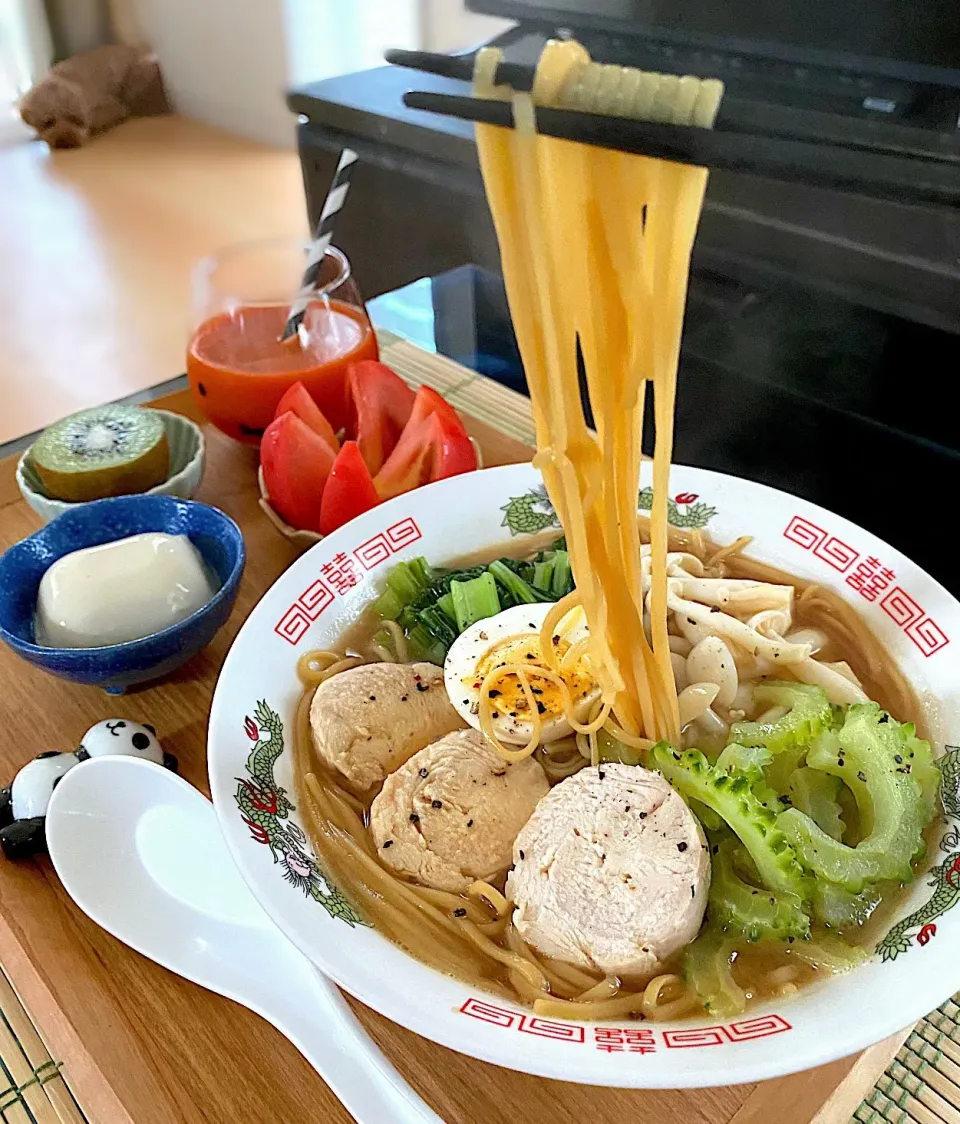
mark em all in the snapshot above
pixel 97 246
pixel 92 92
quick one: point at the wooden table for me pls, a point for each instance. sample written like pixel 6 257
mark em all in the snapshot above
pixel 142 1046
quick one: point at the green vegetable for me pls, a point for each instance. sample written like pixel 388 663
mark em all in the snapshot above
pixel 438 624
pixel 751 761
pixel 708 818
pixel 923 769
pixel 809 714
pixel 388 605
pixel 707 969
pixel 446 606
pixel 542 575
pixel 474 600
pixel 520 592
pixel 829 953
pixel 421 599
pixel 839 909
pixel 406 583
pixel 562 581
pixel 733 799
pixel 609 749
pixel 748 910
pixel 424 646
pixel 817 795
pixel 871 753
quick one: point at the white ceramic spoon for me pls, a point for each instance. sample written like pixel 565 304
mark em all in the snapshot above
pixel 140 852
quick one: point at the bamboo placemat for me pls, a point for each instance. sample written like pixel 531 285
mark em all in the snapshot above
pixel 921 1085
pixel 33 1089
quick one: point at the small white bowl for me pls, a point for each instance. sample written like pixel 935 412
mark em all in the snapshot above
pixel 187 461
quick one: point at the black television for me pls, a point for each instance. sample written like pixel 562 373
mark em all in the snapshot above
pixel 912 40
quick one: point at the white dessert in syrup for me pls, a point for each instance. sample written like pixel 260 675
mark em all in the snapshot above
pixel 121 591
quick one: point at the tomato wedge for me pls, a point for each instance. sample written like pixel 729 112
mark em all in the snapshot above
pixel 298 400
pixel 381 404
pixel 296 463
pixel 433 445
pixel 349 491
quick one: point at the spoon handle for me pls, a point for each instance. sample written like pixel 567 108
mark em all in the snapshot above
pixel 330 1036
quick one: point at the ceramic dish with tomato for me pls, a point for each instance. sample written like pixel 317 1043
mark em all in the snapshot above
pixel 321 469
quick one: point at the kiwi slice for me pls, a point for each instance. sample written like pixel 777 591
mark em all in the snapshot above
pixel 106 451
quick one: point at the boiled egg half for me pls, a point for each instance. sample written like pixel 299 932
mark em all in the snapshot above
pixel 513 637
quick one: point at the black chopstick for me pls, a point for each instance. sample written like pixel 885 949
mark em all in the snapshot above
pixel 520 77
pixel 514 74
pixel 828 166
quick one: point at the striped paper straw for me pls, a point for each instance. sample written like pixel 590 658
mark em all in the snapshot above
pixel 321 241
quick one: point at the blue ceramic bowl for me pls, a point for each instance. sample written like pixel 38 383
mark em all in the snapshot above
pixel 118 666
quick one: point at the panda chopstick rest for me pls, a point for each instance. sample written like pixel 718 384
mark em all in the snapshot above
pixel 23 805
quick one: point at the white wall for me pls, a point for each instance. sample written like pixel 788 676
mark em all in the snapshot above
pixel 330 37
pixel 224 62
pixel 230 62
pixel 448 26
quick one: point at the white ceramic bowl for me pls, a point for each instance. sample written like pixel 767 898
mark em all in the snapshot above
pixel 187 461
pixel 325 589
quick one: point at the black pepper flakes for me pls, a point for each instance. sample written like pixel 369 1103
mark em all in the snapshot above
pixel 493 693
pixel 643 815
pixel 898 758
pixel 715 609
pixel 421 687
pixel 601 774
pixel 424 773
pixel 541 709
pixel 414 818
pixel 461 912
pixel 469 823
pixel 500 773
pixel 681 846
pixel 387 843
pixel 372 698
pixel 862 776
pixel 522 855
pixel 436 803
pixel 403 698
pixel 693 891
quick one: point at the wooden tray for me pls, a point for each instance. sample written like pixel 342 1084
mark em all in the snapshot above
pixel 141 1046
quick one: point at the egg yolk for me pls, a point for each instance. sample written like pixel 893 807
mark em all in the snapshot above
pixel 508 697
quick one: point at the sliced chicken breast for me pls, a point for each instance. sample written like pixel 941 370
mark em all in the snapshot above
pixel 450 815
pixel 367 721
pixel 611 871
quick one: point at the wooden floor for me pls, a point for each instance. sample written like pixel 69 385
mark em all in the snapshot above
pixel 96 246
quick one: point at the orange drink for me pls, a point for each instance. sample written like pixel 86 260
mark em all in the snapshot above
pixel 237 367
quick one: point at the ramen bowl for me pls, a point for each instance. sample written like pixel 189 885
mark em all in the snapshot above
pixel 913 965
